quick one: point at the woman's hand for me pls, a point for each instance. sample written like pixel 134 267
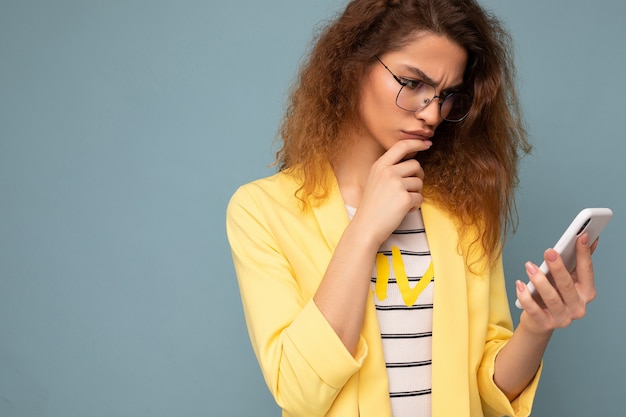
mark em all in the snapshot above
pixel 393 188
pixel 563 302
pixel 567 299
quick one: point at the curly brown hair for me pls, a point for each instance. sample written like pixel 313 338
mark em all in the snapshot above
pixel 472 169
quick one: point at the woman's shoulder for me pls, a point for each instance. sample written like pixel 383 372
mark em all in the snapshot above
pixel 277 183
pixel 267 192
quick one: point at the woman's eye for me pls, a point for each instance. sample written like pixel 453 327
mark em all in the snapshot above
pixel 412 84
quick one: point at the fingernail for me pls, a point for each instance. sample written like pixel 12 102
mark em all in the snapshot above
pixel 520 286
pixel 531 268
pixel 551 255
pixel 584 239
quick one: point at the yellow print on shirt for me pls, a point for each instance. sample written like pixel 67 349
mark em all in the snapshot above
pixel 409 295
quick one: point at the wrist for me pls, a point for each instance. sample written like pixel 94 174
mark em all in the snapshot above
pixel 362 235
pixel 537 332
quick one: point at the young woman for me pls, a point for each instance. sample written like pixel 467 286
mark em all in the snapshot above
pixel 370 266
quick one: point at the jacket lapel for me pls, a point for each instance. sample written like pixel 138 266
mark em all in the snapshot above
pixel 450 315
pixel 332 217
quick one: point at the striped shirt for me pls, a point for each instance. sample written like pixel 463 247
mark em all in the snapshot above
pixel 402 282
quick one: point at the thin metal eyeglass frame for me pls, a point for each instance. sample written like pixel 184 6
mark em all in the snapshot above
pixel 440 99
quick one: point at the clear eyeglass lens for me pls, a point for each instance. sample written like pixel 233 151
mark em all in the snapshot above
pixel 454 108
pixel 415 98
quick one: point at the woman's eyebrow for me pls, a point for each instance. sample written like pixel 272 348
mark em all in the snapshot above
pixel 420 74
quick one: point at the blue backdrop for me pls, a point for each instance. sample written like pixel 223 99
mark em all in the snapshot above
pixel 125 126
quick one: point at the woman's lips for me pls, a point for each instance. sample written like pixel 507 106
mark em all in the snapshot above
pixel 418 134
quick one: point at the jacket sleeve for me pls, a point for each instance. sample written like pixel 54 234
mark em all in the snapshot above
pixel 303 361
pixel 499 331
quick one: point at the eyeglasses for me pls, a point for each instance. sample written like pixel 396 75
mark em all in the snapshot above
pixel 415 95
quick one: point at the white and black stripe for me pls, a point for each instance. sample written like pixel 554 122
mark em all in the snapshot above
pixel 406 331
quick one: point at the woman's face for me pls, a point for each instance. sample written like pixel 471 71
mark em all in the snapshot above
pixel 430 58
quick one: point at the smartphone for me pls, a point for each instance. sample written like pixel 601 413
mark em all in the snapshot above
pixel 590 220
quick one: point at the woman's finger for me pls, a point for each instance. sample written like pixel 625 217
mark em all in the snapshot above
pixel 584 268
pixel 401 149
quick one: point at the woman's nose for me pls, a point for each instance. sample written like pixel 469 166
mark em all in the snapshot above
pixel 431 114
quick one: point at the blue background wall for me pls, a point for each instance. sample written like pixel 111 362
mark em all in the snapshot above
pixel 126 125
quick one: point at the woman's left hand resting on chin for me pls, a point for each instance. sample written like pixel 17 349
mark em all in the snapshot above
pixel 566 301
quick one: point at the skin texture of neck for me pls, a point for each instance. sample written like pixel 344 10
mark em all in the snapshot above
pixel 353 169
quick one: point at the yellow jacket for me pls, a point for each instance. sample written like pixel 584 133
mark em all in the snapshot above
pixel 280 254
